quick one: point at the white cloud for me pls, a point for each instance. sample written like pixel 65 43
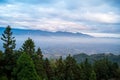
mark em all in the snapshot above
pixel 53 25
pixel 103 17
pixel 104 35
pixel 64 15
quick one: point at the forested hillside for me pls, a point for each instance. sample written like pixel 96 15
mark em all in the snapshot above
pixel 94 57
pixel 27 63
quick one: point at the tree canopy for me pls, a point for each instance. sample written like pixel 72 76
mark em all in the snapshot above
pixel 30 64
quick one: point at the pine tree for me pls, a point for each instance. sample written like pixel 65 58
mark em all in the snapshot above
pixel 118 74
pixel 25 69
pixel 72 71
pixel 39 64
pixel 49 70
pixel 93 76
pixel 60 69
pixel 115 71
pixel 86 70
pixel 9 46
pixel 28 47
pixel 1 55
pixel 9 41
pixel 102 69
pixel 39 53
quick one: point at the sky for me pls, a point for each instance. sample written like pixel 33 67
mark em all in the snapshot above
pixel 99 18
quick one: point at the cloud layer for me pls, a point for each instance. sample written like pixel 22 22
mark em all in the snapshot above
pixel 88 16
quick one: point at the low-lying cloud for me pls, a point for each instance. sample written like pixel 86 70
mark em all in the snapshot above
pixel 96 16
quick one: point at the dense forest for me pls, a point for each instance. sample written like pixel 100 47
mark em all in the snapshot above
pixel 94 57
pixel 27 63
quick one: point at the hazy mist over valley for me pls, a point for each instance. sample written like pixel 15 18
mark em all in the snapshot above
pixel 55 44
pixel 62 46
pixel 66 26
pixel 59 39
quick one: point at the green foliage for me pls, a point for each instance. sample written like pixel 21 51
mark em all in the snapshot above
pixel 117 74
pixel 29 64
pixel 9 41
pixel 1 55
pixel 60 69
pixel 1 63
pixel 94 57
pixel 86 70
pixel 49 70
pixel 9 46
pixel 104 69
pixel 25 69
pixel 28 46
pixel 39 53
pixel 9 63
pixel 93 76
pixel 72 71
pixel 39 66
pixel 3 78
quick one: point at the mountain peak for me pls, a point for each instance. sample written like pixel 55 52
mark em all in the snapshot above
pixel 46 33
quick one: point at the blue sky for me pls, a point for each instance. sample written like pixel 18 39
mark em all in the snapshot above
pixel 95 17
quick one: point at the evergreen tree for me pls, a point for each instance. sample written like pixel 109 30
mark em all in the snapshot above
pixel 86 70
pixel 9 46
pixel 9 41
pixel 93 76
pixel 102 69
pixel 1 54
pixel 39 64
pixel 1 64
pixel 25 69
pixel 39 53
pixel 72 71
pixel 28 47
pixel 2 72
pixel 49 70
pixel 118 74
pixel 60 69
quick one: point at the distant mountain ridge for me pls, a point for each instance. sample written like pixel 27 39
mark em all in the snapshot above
pixel 45 33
